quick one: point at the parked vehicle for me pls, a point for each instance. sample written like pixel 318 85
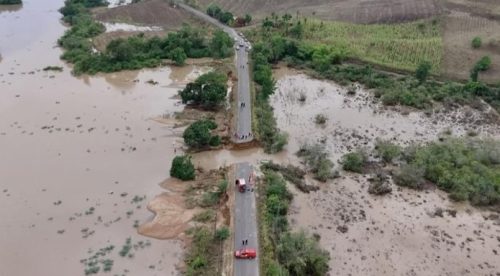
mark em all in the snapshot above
pixel 245 253
pixel 241 184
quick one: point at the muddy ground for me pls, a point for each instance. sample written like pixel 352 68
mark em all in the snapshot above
pixel 397 234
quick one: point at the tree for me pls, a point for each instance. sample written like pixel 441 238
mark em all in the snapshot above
pixel 178 56
pixel 286 17
pixel 198 135
pixel 481 65
pixel 353 161
pixel 221 45
pixel 422 71
pixel 302 255
pixel 222 233
pixel 476 42
pixel 209 90
pixel 248 19
pixel 214 11
pixel 10 2
pixel 182 168
pixel 226 18
pixel 297 30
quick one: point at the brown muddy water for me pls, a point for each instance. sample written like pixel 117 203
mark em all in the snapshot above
pixel 80 158
pixel 396 234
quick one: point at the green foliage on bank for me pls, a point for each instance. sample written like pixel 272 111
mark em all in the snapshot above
pixel 468 169
pixel 10 2
pixel 208 91
pixel 183 168
pixel 275 42
pixel 134 52
pixel 198 135
pixel 272 139
pixel 285 252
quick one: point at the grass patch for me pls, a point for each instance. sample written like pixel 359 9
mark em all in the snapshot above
pixel 53 68
pixel 354 161
pixel 204 254
pixel 399 46
pixel 205 216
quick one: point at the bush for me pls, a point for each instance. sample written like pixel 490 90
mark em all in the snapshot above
pixel 316 159
pixel 10 2
pixel 422 71
pixel 198 135
pixel 320 119
pixel 353 161
pixel 182 168
pixel 387 150
pixel 410 176
pixel 483 64
pixel 476 42
pixel 204 216
pixel 222 233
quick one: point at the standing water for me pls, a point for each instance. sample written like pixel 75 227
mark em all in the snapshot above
pixel 79 157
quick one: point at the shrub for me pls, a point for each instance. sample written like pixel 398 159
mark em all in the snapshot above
pixel 316 159
pixel 10 2
pixel 422 71
pixel 182 168
pixel 476 42
pixel 387 150
pixel 410 176
pixel 198 135
pixel 353 161
pixel 483 64
pixel 320 119
pixel 222 233
pixel 204 216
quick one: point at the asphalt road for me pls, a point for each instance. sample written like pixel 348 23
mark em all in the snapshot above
pixel 244 113
pixel 245 224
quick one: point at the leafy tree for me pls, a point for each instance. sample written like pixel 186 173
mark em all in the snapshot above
pixel 221 45
pixel 209 90
pixel 222 233
pixel 10 2
pixel 178 56
pixel 387 150
pixel 353 161
pixel 302 255
pixel 297 30
pixel 422 71
pixel 182 168
pixel 481 65
pixel 476 42
pixel 248 18
pixel 198 135
pixel 226 18
pixel 213 10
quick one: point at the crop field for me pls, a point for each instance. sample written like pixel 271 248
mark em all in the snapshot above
pixel 153 12
pixel 358 11
pixel 400 46
pixel 459 28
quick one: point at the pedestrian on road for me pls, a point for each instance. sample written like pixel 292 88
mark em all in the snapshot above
pixel 243 242
pixel 246 242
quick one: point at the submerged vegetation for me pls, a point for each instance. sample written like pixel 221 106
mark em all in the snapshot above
pixel 10 2
pixel 467 169
pixel 134 52
pixel 208 91
pixel 198 135
pixel 285 252
pixel 182 168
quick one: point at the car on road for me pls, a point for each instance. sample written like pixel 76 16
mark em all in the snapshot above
pixel 241 184
pixel 246 253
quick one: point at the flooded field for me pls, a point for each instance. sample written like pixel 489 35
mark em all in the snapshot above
pixel 404 233
pixel 80 157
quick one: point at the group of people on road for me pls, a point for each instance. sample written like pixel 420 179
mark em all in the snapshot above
pixel 243 104
pixel 243 136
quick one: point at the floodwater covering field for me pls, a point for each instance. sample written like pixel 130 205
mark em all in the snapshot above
pixel 406 232
pixel 80 157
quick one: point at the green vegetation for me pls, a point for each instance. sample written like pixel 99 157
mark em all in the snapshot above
pixel 134 52
pixel 422 71
pixel 198 135
pixel 316 159
pixel 202 257
pixel 354 161
pixel 467 169
pixel 98 261
pixel 387 150
pixel 283 252
pixel 222 233
pixel 324 54
pixel 227 17
pixel 320 119
pixel 205 216
pixel 53 68
pixel 476 42
pixel 10 2
pixel 208 91
pixel 292 174
pixel 182 168
pixel 272 139
pixel 481 65
pixel 212 198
